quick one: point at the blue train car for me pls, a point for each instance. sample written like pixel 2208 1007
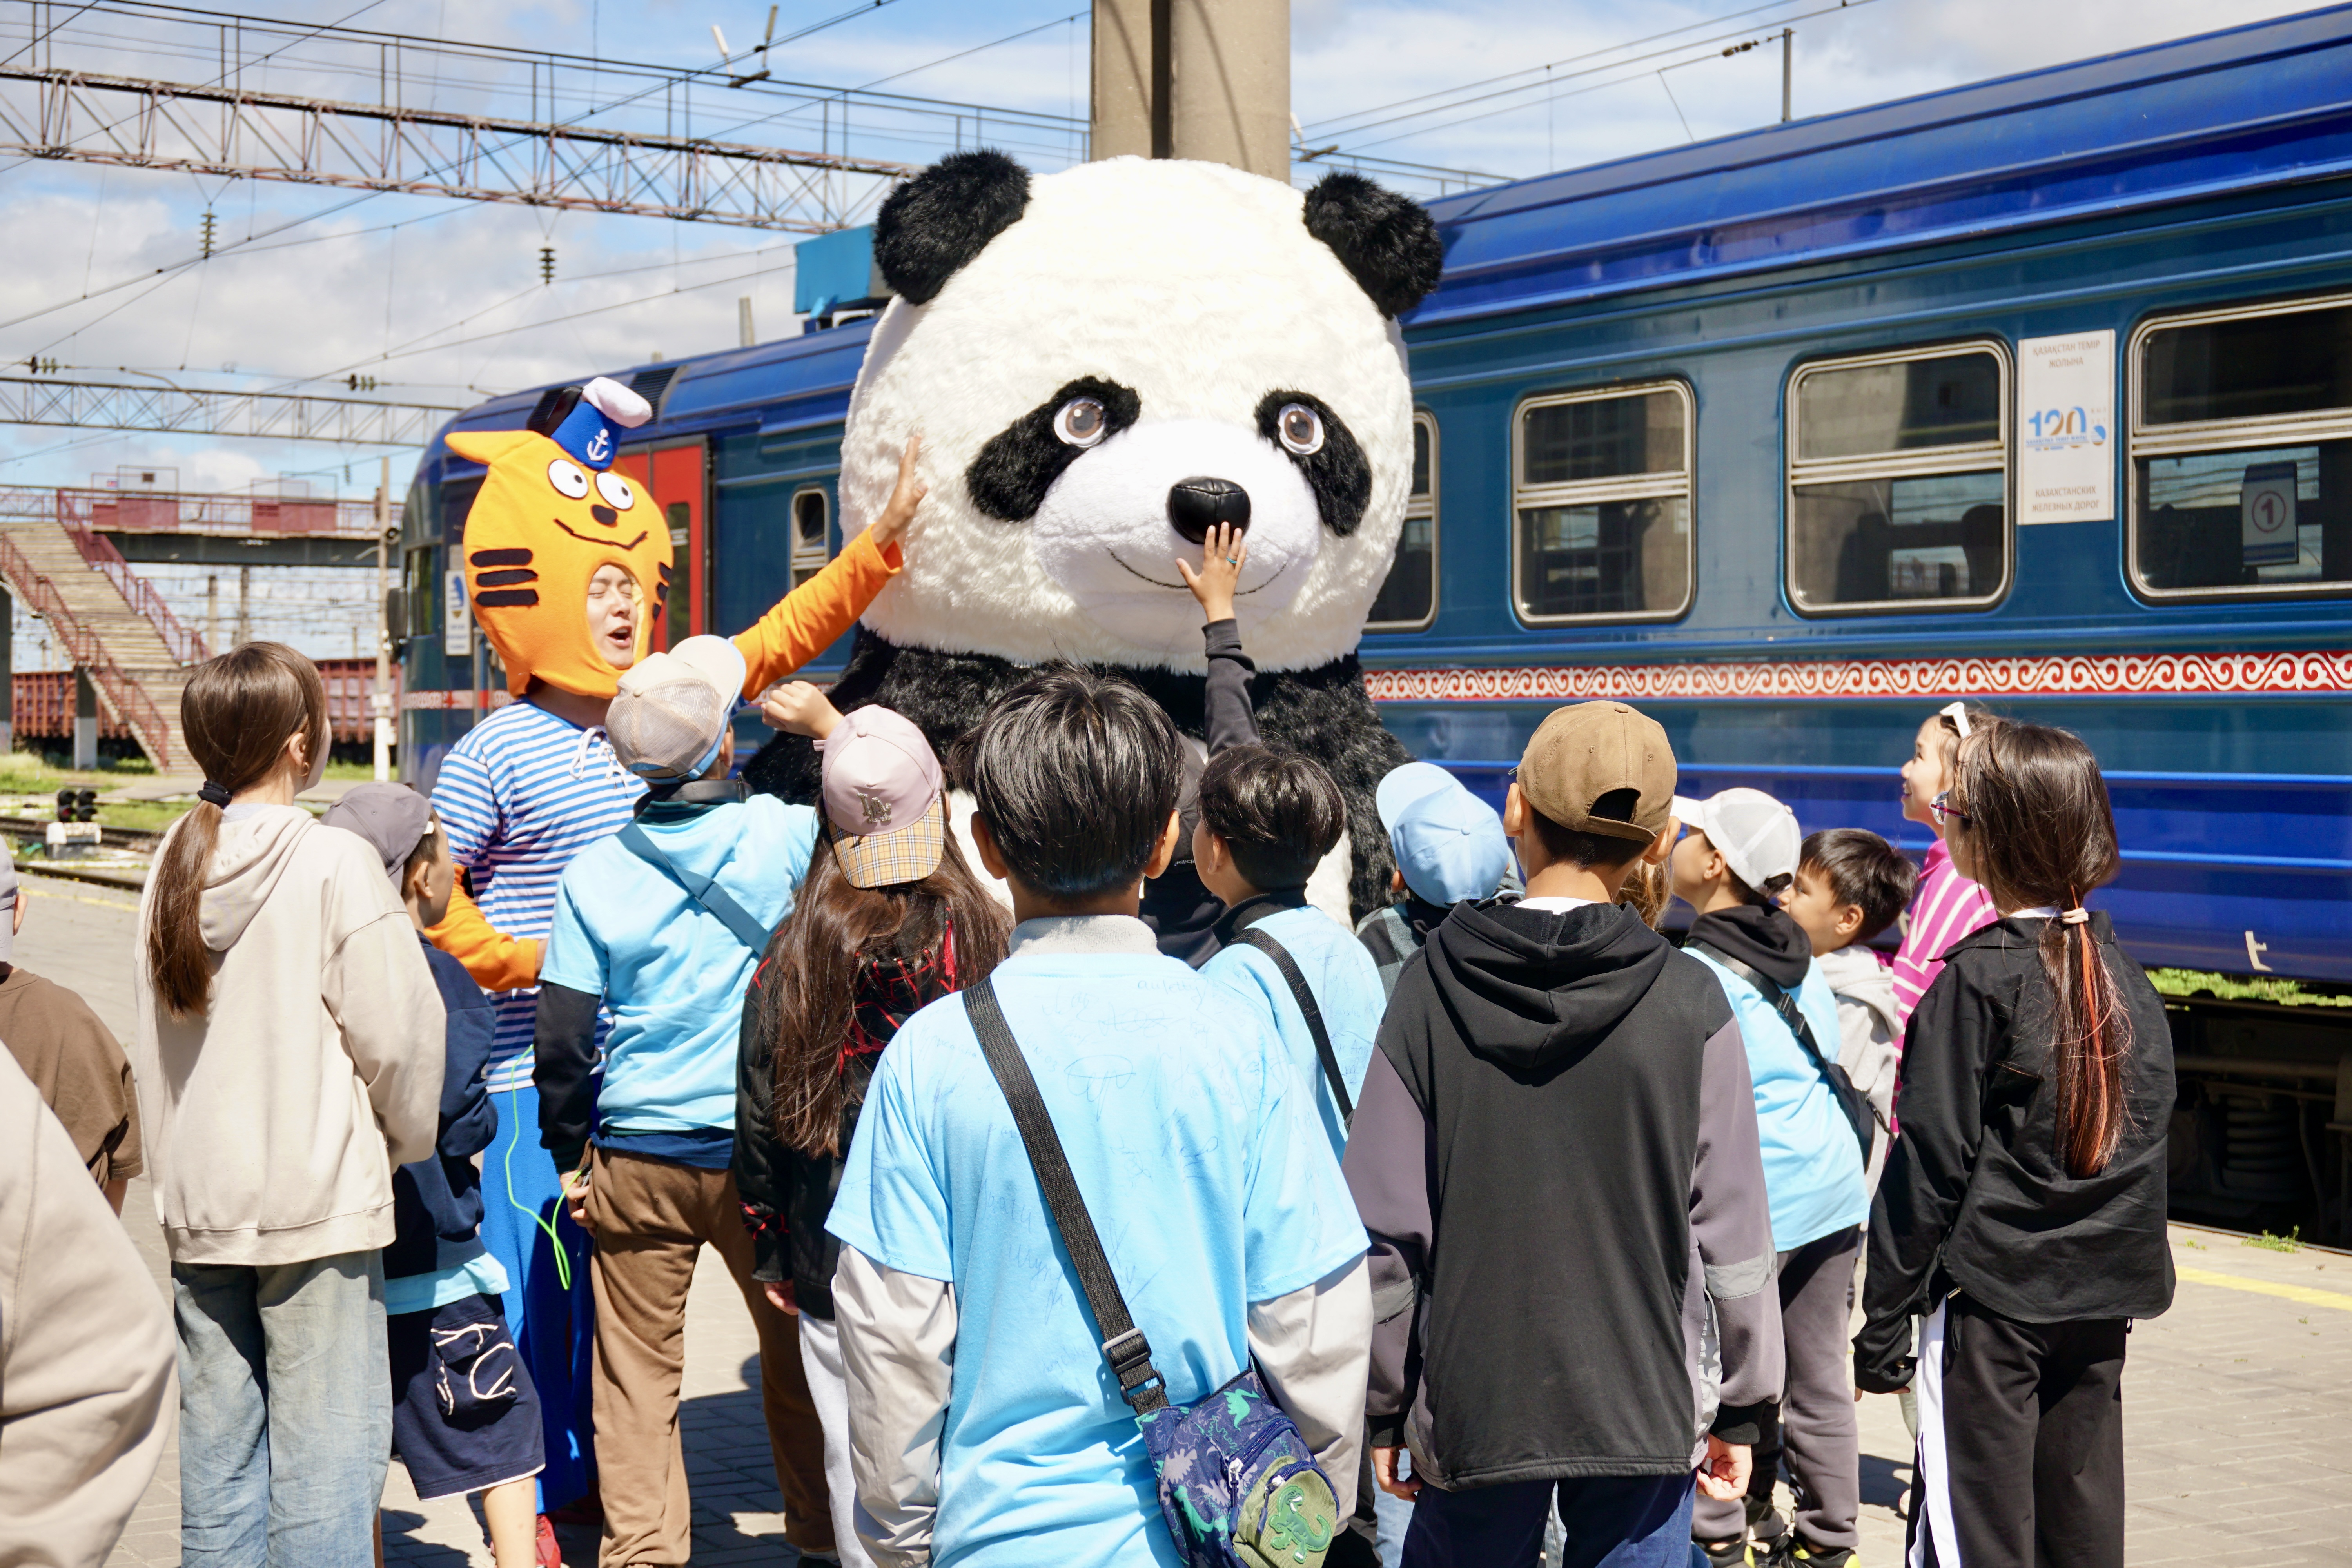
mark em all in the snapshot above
pixel 1752 432
pixel 2037 392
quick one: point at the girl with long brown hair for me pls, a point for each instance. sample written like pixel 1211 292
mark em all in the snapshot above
pixel 2022 1208
pixel 288 1055
pixel 889 920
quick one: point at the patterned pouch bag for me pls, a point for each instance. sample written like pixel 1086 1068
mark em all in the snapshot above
pixel 1238 1486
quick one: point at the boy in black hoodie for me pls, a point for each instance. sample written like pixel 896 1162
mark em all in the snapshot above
pixel 1556 1155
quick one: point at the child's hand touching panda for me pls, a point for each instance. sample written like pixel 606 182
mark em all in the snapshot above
pixel 799 708
pixel 1223 555
pixel 904 497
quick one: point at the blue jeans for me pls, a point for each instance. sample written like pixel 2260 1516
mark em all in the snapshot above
pixel 1619 1521
pixel 285 1412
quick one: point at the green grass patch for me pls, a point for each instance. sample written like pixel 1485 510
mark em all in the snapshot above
pixel 2197 983
pixel 2291 1242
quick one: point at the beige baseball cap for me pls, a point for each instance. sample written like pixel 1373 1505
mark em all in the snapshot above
pixel 1582 754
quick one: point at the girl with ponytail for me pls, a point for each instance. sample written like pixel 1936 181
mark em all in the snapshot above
pixel 288 1057
pixel 2023 1204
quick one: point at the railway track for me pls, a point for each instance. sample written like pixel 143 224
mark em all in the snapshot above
pixel 33 829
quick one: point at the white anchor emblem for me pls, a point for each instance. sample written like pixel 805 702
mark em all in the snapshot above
pixel 600 444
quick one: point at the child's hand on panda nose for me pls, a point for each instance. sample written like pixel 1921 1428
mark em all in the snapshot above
pixel 907 495
pixel 1223 555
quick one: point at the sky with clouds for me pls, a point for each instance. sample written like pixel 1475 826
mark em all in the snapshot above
pixel 441 300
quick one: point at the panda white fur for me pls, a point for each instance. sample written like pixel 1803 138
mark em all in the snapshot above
pixel 1080 351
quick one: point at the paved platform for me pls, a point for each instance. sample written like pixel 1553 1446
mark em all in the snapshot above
pixel 2231 1401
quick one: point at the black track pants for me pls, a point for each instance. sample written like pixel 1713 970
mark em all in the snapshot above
pixel 2022 1459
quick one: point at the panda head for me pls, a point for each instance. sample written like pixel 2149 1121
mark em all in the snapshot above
pixel 1105 363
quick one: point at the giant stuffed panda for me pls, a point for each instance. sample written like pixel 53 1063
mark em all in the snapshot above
pixel 1074 347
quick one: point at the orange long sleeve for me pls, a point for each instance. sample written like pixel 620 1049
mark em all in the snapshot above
pixel 497 961
pixel 805 621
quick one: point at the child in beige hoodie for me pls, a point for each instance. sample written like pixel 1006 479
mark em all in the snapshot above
pixel 288 1057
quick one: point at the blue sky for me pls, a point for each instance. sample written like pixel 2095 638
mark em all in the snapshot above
pixel 449 290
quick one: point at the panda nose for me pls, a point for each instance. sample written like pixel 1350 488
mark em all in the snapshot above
pixel 606 515
pixel 1197 505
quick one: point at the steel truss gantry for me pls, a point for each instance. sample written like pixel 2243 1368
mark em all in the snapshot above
pixel 230 130
pixel 172 410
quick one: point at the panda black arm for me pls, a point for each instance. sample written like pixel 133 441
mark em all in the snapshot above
pixel 1230 719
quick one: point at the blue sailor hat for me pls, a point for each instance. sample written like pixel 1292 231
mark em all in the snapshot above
pixel 587 421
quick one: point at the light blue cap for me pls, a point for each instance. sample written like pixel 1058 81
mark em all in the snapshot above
pixel 1449 844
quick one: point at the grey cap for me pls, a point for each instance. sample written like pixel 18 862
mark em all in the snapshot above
pixel 670 715
pixel 394 818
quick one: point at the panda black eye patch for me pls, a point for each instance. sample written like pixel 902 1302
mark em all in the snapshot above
pixel 1336 472
pixel 1009 479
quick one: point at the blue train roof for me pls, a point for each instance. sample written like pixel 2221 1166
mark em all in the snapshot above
pixel 2254 105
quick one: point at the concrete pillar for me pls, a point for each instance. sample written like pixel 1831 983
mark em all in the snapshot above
pixel 1130 79
pixel 1194 79
pixel 85 733
pixel 7 673
pixel 244 606
pixel 1229 84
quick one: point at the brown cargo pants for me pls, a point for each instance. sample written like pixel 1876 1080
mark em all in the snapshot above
pixel 651 1219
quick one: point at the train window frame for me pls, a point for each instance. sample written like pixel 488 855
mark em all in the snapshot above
pixel 2189 437
pixel 807 557
pixel 1681 484
pixel 1924 462
pixel 1417 508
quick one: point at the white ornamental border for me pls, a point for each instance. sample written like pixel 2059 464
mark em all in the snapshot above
pixel 2160 674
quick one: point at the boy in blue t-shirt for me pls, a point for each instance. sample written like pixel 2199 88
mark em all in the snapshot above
pixel 663 924
pixel 1741 849
pixel 464 1415
pixel 989 1431
pixel 1268 819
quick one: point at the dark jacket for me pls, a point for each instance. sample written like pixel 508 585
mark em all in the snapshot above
pixel 787 1194
pixel 1179 909
pixel 440 1199
pixel 1556 1155
pixel 1975 1197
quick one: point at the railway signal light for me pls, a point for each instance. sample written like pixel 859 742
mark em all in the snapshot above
pixel 547 264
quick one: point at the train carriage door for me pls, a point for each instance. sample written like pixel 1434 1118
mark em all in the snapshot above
pixel 675 476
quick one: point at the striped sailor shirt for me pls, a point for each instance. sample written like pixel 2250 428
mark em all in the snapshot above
pixel 521 795
pixel 1946 909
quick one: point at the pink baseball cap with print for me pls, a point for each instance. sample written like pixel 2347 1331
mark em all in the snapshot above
pixel 884 809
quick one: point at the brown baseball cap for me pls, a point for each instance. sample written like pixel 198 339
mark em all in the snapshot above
pixel 1580 753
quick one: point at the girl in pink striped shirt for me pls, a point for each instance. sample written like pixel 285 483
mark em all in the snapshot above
pixel 1948 906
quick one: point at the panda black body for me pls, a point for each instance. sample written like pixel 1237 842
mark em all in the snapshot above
pixel 1102 364
pixel 1321 713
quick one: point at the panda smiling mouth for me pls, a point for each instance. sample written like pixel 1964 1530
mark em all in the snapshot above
pixel 1238 592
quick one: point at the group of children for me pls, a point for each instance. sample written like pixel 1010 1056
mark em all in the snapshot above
pixel 1520 1212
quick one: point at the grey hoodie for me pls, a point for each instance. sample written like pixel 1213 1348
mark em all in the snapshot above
pixel 275 1118
pixel 1870 1036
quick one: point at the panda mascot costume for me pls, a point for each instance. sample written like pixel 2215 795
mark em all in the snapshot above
pixel 1088 354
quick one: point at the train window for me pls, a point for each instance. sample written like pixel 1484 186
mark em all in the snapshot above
pixel 1408 600
pixel 2241 451
pixel 1898 480
pixel 812 533
pixel 1601 494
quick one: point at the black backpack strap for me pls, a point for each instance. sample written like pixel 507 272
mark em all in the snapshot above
pixel 703 890
pixel 1123 1345
pixel 1293 977
pixel 1783 1002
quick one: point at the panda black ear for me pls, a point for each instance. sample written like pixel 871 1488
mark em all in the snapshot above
pixel 1386 241
pixel 932 227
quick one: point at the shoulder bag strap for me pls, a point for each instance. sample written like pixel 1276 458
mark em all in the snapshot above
pixel 1782 1002
pixel 1123 1344
pixel 705 891
pixel 1296 981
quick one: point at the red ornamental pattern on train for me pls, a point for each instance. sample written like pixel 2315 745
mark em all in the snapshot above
pixel 2164 674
